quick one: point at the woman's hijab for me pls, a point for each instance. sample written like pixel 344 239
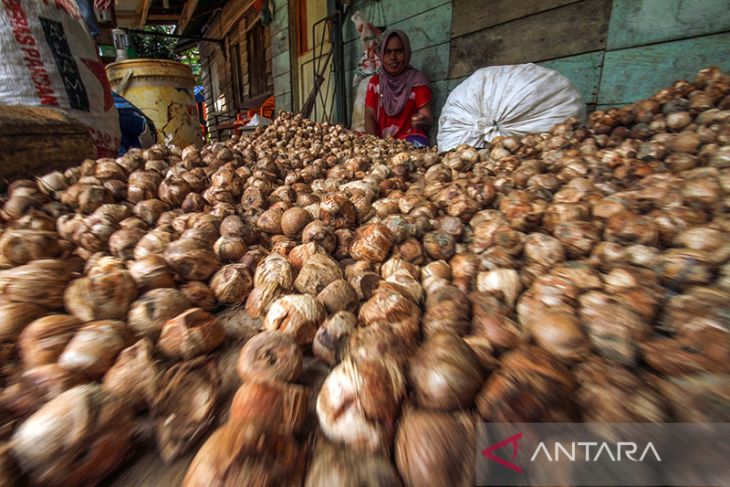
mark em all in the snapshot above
pixel 395 90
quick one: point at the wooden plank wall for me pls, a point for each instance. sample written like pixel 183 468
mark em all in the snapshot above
pixel 207 56
pixel 281 61
pixel 567 35
pixel 231 25
pixel 614 51
pixel 652 43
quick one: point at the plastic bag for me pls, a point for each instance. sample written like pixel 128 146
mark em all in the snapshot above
pixel 258 121
pixel 368 65
pixel 358 108
pixel 50 60
pixel 504 101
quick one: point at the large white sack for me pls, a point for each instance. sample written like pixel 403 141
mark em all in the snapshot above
pixel 506 100
pixel 49 59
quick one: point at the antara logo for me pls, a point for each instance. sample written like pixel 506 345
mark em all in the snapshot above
pixel 616 452
pixel 586 451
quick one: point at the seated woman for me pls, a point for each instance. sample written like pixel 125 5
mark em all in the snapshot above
pixel 398 99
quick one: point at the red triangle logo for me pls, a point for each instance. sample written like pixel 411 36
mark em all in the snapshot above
pixel 513 440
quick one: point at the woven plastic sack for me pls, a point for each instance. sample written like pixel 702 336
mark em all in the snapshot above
pixel 506 100
pixel 49 59
pixel 368 65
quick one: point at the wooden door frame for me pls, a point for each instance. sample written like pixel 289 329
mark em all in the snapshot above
pixel 293 56
pixel 294 68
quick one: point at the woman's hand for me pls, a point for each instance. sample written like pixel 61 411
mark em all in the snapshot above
pixel 371 124
pixel 102 4
pixel 419 120
pixel 423 118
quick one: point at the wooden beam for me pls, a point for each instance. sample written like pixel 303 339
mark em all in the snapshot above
pixel 145 10
pixel 162 17
pixel 232 14
pixel 187 14
pixel 127 15
pixel 158 17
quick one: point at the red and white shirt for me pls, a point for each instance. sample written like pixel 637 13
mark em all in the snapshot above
pixel 398 127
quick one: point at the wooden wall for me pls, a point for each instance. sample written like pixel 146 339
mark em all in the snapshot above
pixel 217 60
pixel 614 51
pixel 652 43
pixel 281 63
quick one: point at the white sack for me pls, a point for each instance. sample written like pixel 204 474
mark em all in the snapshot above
pixel 506 100
pixel 49 59
pixel 258 121
pixel 358 107
pixel 368 66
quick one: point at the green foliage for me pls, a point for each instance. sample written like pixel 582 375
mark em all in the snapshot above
pixel 191 57
pixel 154 47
